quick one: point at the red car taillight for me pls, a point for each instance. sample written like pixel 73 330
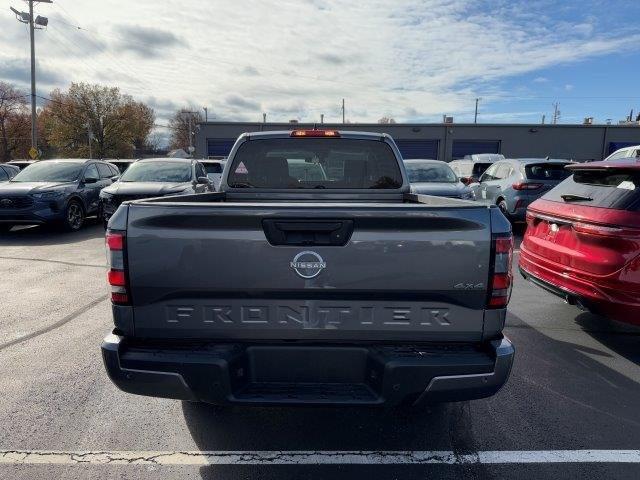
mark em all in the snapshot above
pixel 117 275
pixel 501 278
pixel 526 186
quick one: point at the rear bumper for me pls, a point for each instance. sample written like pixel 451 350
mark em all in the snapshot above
pixel 260 374
pixel 612 301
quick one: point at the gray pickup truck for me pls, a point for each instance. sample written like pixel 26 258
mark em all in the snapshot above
pixel 324 285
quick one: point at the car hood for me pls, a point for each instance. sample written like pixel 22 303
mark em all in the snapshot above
pixel 26 188
pixel 145 188
pixel 444 189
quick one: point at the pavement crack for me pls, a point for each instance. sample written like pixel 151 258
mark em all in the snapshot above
pixel 61 262
pixel 55 325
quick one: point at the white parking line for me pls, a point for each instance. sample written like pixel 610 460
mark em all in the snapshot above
pixel 51 457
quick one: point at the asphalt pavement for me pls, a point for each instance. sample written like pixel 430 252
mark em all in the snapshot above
pixel 575 388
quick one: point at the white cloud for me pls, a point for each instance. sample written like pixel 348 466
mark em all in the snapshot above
pixel 568 87
pixel 540 80
pixel 298 60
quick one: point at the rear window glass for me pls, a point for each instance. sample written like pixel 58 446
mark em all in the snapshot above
pixel 616 189
pixel 546 171
pixel 479 168
pixel 292 163
pixel 213 167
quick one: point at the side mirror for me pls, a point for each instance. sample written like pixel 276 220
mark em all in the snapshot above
pixel 90 180
pixel 203 181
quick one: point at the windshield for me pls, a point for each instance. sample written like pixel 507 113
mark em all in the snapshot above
pixel 419 172
pixel 50 172
pixel 158 172
pixel 283 163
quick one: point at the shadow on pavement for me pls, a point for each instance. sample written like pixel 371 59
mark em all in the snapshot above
pixel 48 235
pixel 622 339
pixel 561 395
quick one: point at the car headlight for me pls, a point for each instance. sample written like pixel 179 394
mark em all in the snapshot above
pixel 48 195
pixel 468 195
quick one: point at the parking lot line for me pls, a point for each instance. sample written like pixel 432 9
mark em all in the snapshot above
pixel 50 457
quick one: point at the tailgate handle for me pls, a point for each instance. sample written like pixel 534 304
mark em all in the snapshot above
pixel 308 232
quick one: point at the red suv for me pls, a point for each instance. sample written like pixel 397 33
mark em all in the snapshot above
pixel 583 239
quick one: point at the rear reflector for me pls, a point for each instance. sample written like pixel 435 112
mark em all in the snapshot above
pixel 501 279
pixel 315 133
pixel 526 186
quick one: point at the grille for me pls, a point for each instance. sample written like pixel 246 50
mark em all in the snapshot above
pixel 15 202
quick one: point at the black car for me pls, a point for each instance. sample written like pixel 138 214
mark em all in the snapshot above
pixel 7 172
pixel 154 177
pixel 21 164
pixel 64 192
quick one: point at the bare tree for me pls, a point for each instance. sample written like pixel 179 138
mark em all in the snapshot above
pixel 179 126
pixel 386 120
pixel 15 121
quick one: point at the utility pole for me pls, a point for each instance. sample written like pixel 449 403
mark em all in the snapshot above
pixel 343 110
pixel 321 118
pixel 264 118
pixel 190 126
pixel 206 114
pixel 475 117
pixel 543 117
pixel 41 22
pixel 556 113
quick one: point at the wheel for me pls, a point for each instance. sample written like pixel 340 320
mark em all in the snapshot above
pixel 74 216
pixel 4 227
pixel 502 205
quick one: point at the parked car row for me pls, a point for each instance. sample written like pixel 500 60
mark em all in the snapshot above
pixel 67 191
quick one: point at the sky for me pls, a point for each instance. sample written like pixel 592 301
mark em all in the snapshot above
pixel 407 59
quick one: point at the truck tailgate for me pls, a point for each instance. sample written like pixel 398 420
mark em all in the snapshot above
pixel 276 271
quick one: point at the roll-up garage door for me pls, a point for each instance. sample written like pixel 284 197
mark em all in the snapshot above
pixel 219 146
pixel 469 147
pixel 418 148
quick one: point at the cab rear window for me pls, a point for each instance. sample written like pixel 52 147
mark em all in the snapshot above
pixel 606 188
pixel 300 163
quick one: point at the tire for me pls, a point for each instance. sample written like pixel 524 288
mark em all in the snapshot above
pixel 74 216
pixel 502 205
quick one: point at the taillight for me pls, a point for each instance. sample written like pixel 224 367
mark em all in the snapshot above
pixel 117 274
pixel 315 133
pixel 526 186
pixel 501 278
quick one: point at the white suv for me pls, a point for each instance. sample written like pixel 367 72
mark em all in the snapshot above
pixel 625 152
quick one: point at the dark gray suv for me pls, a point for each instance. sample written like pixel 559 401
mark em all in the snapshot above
pixel 62 191
pixel 513 184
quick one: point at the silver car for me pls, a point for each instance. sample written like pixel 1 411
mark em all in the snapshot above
pixel 435 177
pixel 513 184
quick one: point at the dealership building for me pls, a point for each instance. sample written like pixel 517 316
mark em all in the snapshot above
pixel 448 141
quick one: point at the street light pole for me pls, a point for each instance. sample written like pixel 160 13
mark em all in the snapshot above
pixel 475 117
pixel 206 114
